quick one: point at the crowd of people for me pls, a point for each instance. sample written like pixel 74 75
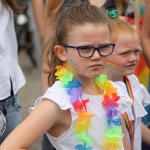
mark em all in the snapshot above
pixel 91 96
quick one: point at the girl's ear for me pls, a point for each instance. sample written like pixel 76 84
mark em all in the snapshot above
pixel 61 52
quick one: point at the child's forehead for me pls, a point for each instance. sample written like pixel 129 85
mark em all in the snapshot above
pixel 125 35
pixel 128 41
pixel 89 28
pixel 87 24
pixel 128 35
pixel 89 35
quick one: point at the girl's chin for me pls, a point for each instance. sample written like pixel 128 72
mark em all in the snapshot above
pixel 95 76
pixel 88 75
pixel 129 72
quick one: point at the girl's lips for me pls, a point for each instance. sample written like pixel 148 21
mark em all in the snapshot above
pixel 96 65
pixel 132 65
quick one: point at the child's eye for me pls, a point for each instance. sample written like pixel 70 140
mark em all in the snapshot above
pixel 136 51
pixel 125 53
pixel 85 48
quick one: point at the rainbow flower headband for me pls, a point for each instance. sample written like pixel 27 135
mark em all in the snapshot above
pixel 74 89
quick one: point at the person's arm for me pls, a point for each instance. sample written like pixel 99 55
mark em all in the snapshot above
pixel 43 117
pixel 38 10
pixel 125 138
pixel 45 26
pixel 145 134
pixel 97 3
pixel 145 36
pixel 39 14
pixel 136 14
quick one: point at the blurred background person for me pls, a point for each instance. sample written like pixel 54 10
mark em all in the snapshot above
pixel 11 76
pixel 142 70
pixel 146 32
pixel 38 7
pixel 145 60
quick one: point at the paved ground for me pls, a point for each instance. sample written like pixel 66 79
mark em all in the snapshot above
pixel 31 91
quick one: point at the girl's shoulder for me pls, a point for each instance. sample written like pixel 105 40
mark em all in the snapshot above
pixel 134 81
pixel 136 86
pixel 58 95
pixel 140 111
pixel 56 88
pixel 124 102
pixel 139 90
pixel 140 95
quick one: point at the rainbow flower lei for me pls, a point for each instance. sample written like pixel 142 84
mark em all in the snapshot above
pixel 114 130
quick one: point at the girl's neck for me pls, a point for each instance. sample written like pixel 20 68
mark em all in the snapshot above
pixel 112 75
pixel 89 87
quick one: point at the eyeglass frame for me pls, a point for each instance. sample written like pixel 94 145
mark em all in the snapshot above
pixel 95 48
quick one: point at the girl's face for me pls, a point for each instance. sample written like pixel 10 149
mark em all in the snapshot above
pixel 88 35
pixel 126 54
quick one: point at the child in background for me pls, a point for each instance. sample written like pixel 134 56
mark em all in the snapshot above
pixel 83 109
pixel 120 67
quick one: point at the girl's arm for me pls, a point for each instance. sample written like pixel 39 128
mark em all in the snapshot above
pixel 43 117
pixel 145 134
pixel 125 139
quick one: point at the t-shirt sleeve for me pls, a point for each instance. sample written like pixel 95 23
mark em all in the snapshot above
pixel 124 102
pixel 141 96
pixel 140 90
pixel 60 97
pixel 145 95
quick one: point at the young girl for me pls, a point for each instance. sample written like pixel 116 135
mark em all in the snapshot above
pixel 81 110
pixel 120 67
pixel 55 7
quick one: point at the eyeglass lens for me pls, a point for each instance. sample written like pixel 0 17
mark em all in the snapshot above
pixel 104 50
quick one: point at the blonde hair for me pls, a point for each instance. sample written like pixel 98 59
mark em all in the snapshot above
pixel 73 16
pixel 52 8
pixel 119 26
pixel 121 6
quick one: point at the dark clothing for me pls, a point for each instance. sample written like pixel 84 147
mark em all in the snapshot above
pixel 110 5
pixel 70 3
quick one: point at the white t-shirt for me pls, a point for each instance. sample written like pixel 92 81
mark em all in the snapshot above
pixel 141 99
pixel 97 129
pixel 9 67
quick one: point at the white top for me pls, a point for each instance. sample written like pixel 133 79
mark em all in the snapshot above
pixel 98 125
pixel 141 99
pixel 9 67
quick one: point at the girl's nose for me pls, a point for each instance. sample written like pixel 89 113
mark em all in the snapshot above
pixel 133 57
pixel 96 55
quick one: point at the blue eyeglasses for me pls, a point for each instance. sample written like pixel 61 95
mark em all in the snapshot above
pixel 88 51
